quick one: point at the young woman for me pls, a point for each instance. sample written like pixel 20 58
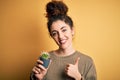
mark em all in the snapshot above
pixel 66 63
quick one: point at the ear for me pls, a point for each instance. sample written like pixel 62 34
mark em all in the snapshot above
pixel 72 31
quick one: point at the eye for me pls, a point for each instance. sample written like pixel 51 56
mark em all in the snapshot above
pixel 54 33
pixel 64 30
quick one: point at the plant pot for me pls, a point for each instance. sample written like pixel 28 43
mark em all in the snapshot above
pixel 45 62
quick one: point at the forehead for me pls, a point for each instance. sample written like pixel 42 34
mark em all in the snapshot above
pixel 58 25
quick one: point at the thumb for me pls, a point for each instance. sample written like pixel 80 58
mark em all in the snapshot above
pixel 77 61
pixel 49 63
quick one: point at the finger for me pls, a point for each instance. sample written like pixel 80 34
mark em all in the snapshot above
pixel 39 62
pixel 66 70
pixel 36 70
pixel 40 67
pixel 77 61
pixel 67 65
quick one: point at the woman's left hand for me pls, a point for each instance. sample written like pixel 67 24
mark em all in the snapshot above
pixel 72 70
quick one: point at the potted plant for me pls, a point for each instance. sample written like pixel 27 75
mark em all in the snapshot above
pixel 45 57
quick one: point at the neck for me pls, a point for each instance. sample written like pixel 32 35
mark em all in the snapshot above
pixel 64 52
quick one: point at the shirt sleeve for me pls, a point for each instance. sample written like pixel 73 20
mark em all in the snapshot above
pixel 91 72
pixel 32 76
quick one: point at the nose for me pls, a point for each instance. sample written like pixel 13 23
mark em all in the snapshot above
pixel 60 35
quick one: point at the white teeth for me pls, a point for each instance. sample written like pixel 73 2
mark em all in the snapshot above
pixel 62 41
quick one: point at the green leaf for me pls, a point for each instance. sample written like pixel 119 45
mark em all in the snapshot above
pixel 45 55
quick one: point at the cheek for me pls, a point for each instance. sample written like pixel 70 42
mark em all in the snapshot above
pixel 70 37
pixel 55 39
pixel 69 34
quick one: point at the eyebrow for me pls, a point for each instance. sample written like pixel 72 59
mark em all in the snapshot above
pixel 60 29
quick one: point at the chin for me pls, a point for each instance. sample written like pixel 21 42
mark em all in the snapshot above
pixel 63 47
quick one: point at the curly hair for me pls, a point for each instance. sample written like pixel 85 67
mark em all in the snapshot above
pixel 57 10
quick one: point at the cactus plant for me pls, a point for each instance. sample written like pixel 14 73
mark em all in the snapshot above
pixel 45 57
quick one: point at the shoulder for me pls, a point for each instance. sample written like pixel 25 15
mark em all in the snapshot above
pixel 51 54
pixel 84 58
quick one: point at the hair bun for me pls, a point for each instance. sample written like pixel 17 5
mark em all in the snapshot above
pixel 55 8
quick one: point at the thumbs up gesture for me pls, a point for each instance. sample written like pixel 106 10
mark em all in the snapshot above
pixel 72 70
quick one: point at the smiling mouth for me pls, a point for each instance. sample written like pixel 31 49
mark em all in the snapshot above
pixel 62 41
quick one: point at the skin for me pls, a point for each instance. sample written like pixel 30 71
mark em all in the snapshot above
pixel 62 35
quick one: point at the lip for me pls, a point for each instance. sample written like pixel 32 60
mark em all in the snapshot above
pixel 62 41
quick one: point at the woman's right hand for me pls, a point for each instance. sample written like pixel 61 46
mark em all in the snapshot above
pixel 39 70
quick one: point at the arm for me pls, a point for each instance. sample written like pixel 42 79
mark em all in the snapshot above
pixel 32 76
pixel 90 72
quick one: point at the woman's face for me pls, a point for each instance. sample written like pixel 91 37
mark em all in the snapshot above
pixel 62 34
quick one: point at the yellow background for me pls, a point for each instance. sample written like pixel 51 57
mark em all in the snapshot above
pixel 23 35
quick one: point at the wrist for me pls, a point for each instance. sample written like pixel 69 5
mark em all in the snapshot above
pixel 38 79
pixel 78 77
